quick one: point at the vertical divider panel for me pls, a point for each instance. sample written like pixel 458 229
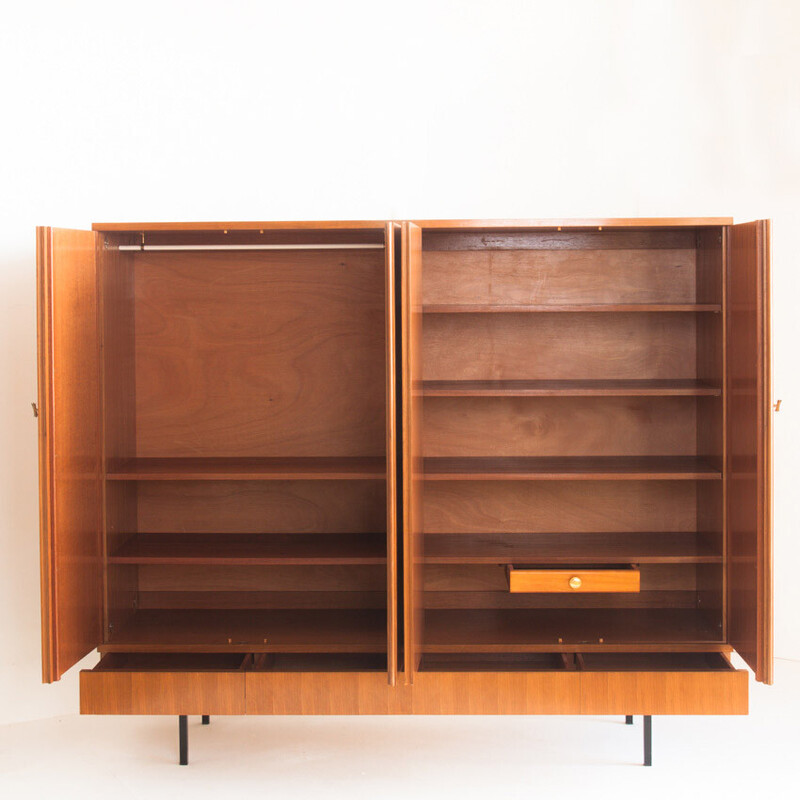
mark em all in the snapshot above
pixel 119 430
pixel 411 247
pixel 391 459
pixel 711 369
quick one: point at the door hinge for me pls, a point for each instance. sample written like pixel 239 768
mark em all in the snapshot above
pixel 35 409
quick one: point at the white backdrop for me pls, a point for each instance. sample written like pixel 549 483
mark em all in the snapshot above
pixel 128 111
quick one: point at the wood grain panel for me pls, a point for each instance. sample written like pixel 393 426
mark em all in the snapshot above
pixel 70 449
pixel 601 223
pixel 496 693
pixel 664 692
pixel 161 578
pixel 253 549
pixel 244 600
pixel 573 468
pixel 576 388
pixel 711 443
pixel 392 567
pixel 559 276
pixel 311 468
pixel 504 600
pixel 322 693
pixel 431 693
pixel 260 353
pixel 412 411
pixel 559 346
pixel 571 548
pixel 502 692
pixel 252 631
pixel 261 507
pixel 529 630
pixel 311 226
pixel 749 436
pixel 555 506
pixel 572 426
pixel 164 692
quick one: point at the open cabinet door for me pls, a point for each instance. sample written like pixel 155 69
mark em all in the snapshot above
pixel 411 334
pixel 70 474
pixel 749 434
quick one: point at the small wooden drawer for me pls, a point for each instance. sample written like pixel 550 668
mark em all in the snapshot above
pixel 171 683
pixel 624 579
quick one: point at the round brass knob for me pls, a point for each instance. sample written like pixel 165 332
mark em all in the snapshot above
pixel 575 582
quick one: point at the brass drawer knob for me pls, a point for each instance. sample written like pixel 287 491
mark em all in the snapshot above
pixel 575 582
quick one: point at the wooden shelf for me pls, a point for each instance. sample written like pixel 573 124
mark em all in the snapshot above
pixel 251 631
pixel 529 630
pixel 569 548
pixel 594 468
pixel 252 549
pixel 571 308
pixel 568 388
pixel 246 469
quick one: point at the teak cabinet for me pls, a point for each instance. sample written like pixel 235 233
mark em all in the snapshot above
pixel 438 467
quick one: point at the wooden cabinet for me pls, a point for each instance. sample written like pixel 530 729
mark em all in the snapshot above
pixel 440 467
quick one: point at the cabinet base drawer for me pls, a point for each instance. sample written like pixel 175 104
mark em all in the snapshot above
pixel 142 684
pixel 322 693
pixel 662 683
pixel 651 693
pixel 605 683
pixel 431 693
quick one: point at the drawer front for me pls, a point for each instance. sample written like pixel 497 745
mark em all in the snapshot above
pixel 431 693
pixel 322 693
pixel 573 581
pixel 131 692
pixel 664 692
pixel 496 693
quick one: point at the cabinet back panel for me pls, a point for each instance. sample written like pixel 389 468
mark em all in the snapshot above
pixel 488 238
pixel 541 277
pixel 261 506
pixel 560 426
pixel 560 506
pixel 559 346
pixel 260 353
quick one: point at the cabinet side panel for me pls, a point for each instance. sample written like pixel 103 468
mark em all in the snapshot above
pixel 70 447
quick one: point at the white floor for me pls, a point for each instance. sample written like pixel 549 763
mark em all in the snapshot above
pixel 423 757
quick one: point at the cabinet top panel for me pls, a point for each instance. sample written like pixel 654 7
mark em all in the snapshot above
pixel 550 224
pixel 241 226
pixel 440 224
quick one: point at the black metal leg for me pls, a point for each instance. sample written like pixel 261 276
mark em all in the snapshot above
pixel 206 719
pixel 183 740
pixel 629 719
pixel 648 741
